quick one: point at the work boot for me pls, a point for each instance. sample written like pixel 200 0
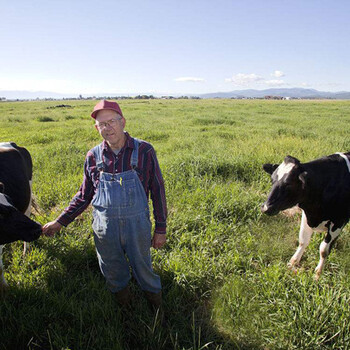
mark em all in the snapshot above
pixel 123 297
pixel 154 299
pixel 155 302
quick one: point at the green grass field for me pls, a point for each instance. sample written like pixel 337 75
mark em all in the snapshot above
pixel 225 280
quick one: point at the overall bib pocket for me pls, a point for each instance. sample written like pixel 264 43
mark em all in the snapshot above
pixel 115 194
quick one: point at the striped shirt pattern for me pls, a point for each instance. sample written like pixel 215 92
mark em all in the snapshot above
pixel 148 171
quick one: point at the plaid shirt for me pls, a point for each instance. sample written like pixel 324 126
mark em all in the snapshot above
pixel 149 174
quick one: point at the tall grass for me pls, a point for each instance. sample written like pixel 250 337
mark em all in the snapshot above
pixel 226 285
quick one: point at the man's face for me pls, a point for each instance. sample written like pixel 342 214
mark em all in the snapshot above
pixel 111 127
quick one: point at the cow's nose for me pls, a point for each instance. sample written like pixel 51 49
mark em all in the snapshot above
pixel 268 209
pixel 264 208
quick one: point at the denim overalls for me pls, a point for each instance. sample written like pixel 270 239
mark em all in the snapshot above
pixel 122 227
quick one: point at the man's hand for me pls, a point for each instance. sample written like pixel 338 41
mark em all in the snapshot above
pixel 51 228
pixel 158 240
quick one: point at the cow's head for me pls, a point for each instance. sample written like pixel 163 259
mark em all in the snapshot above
pixel 14 225
pixel 288 184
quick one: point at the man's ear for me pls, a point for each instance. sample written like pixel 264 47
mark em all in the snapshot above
pixel 123 122
pixel 270 168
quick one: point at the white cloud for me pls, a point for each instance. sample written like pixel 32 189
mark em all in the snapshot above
pixel 275 82
pixel 277 74
pixel 190 79
pixel 244 79
pixel 249 79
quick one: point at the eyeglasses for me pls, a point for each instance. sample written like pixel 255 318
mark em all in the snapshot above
pixel 111 123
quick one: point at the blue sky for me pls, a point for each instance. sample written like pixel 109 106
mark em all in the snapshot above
pixel 169 47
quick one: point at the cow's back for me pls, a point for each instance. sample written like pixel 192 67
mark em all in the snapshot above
pixel 15 174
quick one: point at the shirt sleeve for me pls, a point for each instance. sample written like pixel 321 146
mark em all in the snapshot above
pixel 157 189
pixel 84 196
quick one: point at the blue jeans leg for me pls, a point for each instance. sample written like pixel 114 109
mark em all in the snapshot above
pixel 111 256
pixel 138 244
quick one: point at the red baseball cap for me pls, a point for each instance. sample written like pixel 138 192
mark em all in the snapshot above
pixel 104 104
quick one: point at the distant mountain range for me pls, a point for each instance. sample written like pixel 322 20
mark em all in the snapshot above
pixel 291 92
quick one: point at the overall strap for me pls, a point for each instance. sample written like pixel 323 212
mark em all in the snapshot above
pixel 97 151
pixel 135 154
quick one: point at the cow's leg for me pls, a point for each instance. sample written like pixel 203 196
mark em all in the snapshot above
pixel 27 213
pixel 305 234
pixel 3 284
pixel 325 248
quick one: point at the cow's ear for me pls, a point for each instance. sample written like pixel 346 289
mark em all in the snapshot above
pixel 303 178
pixel 2 187
pixel 270 168
pixel 290 159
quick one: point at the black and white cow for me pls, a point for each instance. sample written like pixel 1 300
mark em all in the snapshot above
pixel 321 188
pixel 15 199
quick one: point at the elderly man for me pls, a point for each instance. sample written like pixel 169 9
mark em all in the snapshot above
pixel 119 175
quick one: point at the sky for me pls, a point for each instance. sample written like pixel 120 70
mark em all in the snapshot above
pixel 173 47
